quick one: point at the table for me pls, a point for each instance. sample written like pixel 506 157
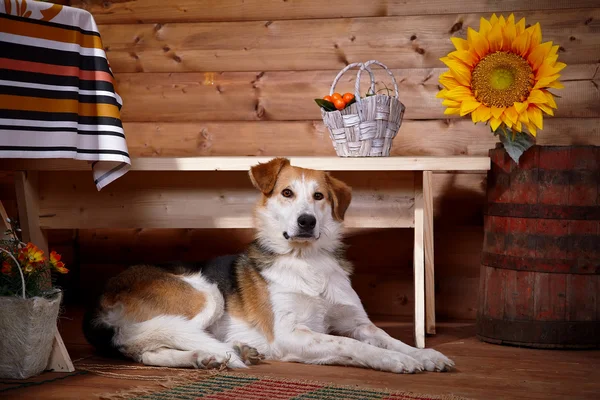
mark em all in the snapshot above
pixel 215 192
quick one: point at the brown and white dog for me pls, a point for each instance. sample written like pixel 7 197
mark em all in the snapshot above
pixel 283 299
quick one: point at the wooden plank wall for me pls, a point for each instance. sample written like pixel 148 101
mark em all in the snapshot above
pixel 237 77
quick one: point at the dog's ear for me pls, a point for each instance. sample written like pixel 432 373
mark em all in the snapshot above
pixel 264 176
pixel 341 195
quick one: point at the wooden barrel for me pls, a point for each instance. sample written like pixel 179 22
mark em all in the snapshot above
pixel 540 273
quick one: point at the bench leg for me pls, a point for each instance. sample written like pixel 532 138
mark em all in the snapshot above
pixel 428 239
pixel 26 185
pixel 419 263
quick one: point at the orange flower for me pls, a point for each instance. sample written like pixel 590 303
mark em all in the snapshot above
pixel 31 258
pixel 55 262
pixel 6 267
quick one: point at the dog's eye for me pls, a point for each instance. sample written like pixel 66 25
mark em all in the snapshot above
pixel 318 196
pixel 287 193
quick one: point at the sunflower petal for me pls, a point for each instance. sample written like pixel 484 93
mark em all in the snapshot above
pixel 536 35
pixel 468 57
pixel 554 50
pixel 550 99
pixel 520 26
pixel 510 33
pixel 506 120
pixel 520 107
pixel 512 114
pixel 459 93
pixel 502 21
pixel 518 127
pixel 468 106
pixel 549 68
pixel 495 38
pixel 460 43
pixel 451 111
pixel 547 109
pixel 451 103
pixel 460 71
pixel 484 26
pixel 497 112
pixel 448 81
pixel 479 42
pixel 545 81
pixel 495 123
pixel 532 129
pixel 511 19
pixel 521 44
pixel 523 117
pixel 537 97
pixel 482 114
pixel 556 85
pixel 535 116
pixel 538 55
pixel 441 94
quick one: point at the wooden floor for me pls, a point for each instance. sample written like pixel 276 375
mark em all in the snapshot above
pixel 484 371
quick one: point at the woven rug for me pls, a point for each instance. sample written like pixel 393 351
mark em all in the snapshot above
pixel 246 387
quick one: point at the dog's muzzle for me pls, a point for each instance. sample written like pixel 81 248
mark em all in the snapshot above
pixel 306 227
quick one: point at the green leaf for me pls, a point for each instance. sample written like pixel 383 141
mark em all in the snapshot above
pixel 351 102
pixel 515 147
pixel 326 105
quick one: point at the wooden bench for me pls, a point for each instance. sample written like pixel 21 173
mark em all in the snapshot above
pixel 215 192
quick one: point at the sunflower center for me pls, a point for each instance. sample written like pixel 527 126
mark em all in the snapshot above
pixel 501 79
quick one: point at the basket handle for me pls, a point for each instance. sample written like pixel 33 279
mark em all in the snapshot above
pixel 357 85
pixel 18 267
pixel 365 66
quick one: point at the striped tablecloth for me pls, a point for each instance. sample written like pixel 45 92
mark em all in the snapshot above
pixel 57 91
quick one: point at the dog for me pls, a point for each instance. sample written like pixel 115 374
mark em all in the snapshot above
pixel 288 297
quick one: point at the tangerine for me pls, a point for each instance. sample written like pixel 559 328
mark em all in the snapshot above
pixel 336 95
pixel 328 98
pixel 340 104
pixel 348 97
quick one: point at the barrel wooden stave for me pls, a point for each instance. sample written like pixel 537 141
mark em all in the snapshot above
pixel 540 274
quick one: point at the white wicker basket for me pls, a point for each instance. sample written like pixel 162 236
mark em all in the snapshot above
pixel 367 127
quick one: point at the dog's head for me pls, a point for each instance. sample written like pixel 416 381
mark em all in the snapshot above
pixel 299 208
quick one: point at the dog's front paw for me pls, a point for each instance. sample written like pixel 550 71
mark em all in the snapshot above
pixel 433 360
pixel 249 355
pixel 402 364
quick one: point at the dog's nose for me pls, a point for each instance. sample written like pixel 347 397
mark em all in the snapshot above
pixel 307 221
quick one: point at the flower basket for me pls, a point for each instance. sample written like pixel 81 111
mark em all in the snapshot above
pixel 367 127
pixel 29 306
pixel 28 328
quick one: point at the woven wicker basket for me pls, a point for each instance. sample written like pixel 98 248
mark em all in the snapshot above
pixel 367 127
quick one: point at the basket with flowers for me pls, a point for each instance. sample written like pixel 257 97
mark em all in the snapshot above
pixel 29 305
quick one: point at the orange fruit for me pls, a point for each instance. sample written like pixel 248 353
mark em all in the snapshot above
pixel 336 95
pixel 328 98
pixel 348 97
pixel 339 104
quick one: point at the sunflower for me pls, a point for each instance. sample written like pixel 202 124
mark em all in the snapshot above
pixel 501 75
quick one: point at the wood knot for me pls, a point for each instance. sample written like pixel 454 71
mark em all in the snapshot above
pixel 572 38
pixel 157 27
pixel 176 58
pixel 353 38
pixel 420 50
pixel 561 49
pixel 413 38
pixel 588 21
pixel 268 23
pixel 134 56
pixel 166 49
pixel 456 27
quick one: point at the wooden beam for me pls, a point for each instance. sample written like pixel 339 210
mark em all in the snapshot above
pixel 193 199
pixel 286 95
pixel 26 184
pixel 419 263
pixel 429 252
pixel 417 42
pixel 152 11
pixel 400 163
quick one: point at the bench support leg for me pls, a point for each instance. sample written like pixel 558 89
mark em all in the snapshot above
pixel 26 184
pixel 419 263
